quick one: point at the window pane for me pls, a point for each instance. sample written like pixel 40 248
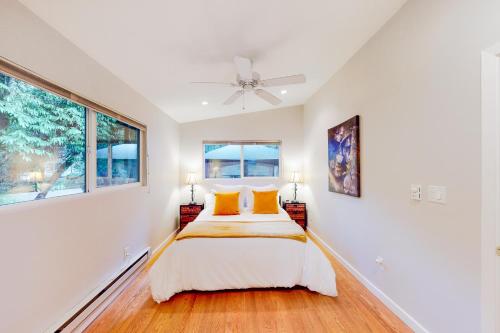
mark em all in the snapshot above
pixel 42 143
pixel 117 152
pixel 222 161
pixel 261 160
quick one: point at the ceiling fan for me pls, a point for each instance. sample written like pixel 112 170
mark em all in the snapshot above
pixel 248 81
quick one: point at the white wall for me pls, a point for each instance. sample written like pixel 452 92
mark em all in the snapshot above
pixel 283 124
pixel 416 85
pixel 55 252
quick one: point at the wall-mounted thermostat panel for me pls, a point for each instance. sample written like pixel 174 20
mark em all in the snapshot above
pixel 436 194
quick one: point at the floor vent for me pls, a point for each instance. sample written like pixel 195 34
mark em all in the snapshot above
pixel 87 313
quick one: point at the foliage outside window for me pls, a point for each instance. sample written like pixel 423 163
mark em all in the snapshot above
pixel 232 160
pixel 43 145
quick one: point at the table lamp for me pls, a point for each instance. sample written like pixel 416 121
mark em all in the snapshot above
pixel 295 178
pixel 191 180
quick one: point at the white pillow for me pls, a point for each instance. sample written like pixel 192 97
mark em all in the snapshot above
pixel 265 188
pixel 209 201
pixel 232 188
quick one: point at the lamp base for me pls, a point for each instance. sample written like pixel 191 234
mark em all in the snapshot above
pixel 193 203
pixel 294 201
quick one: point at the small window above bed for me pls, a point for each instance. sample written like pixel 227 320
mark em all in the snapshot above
pixel 241 159
pixel 261 160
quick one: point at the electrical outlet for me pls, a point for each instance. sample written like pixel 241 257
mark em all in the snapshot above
pixel 380 261
pixel 126 252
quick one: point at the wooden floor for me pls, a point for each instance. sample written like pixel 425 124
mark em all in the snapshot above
pixel 256 310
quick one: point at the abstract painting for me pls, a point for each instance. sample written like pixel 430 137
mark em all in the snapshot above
pixel 343 158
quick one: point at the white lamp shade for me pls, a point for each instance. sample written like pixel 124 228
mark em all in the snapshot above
pixel 295 177
pixel 191 178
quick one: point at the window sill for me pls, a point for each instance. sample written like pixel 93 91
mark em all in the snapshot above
pixel 113 188
pixel 243 178
pixel 71 197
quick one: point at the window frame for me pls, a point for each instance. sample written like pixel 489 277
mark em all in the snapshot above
pixel 91 109
pixel 94 161
pixel 242 143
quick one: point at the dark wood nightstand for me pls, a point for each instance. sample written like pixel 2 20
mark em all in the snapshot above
pixel 297 212
pixel 188 212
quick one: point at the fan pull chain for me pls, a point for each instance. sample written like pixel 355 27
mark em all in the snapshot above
pixel 243 108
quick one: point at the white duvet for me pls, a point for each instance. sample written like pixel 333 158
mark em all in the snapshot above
pixel 240 263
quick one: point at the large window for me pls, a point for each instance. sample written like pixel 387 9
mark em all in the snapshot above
pixel 237 159
pixel 45 141
pixel 42 143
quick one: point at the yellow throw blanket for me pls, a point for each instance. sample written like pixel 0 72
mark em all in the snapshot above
pixel 287 230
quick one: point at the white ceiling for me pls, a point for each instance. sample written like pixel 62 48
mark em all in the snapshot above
pixel 159 46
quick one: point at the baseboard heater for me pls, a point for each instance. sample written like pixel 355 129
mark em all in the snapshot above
pixel 90 310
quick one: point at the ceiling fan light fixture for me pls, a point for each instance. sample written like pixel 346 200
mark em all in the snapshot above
pixel 248 81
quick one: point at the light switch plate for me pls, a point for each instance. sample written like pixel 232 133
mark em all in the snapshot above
pixel 416 192
pixel 436 194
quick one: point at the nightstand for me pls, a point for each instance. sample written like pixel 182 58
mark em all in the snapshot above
pixel 297 212
pixel 188 213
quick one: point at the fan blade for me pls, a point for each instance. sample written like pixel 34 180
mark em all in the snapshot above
pixel 244 68
pixel 229 84
pixel 283 81
pixel 267 96
pixel 233 97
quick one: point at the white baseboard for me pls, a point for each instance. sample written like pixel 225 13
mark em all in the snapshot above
pixel 102 299
pixel 390 303
pixel 114 294
pixel 163 243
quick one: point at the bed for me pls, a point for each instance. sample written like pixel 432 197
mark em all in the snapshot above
pixel 267 251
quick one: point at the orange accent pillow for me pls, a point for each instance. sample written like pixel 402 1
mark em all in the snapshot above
pixel 227 203
pixel 265 202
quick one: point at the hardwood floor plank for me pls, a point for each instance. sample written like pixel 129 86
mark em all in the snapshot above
pixel 256 310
